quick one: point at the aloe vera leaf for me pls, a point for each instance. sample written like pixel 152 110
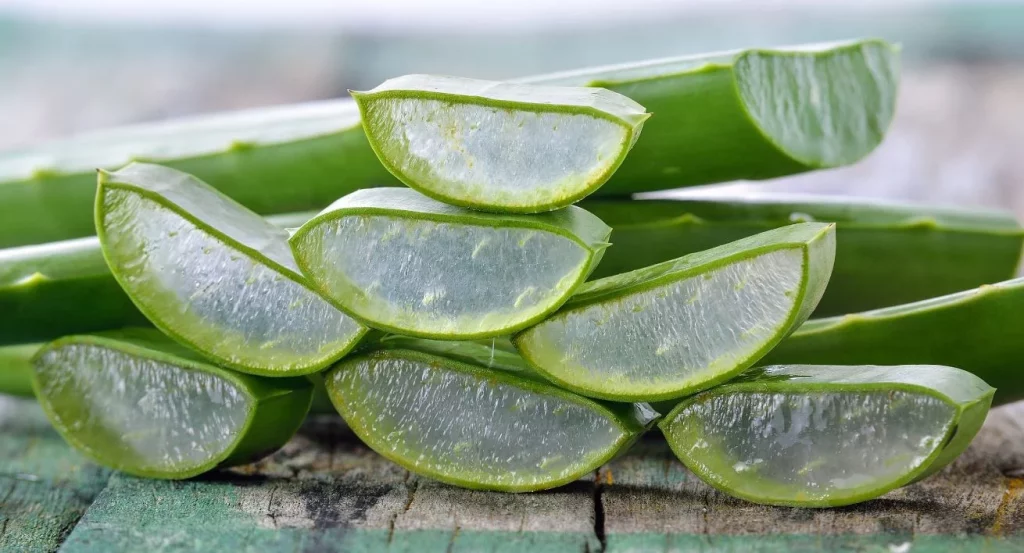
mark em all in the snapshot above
pixel 890 253
pixel 450 412
pixel 16 369
pixel 678 327
pixel 825 436
pixel 61 288
pixel 979 331
pixel 498 146
pixel 404 263
pixel 751 114
pixel 137 402
pixel 214 275
pixel 702 133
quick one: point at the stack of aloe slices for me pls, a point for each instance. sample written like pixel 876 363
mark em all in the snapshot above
pixel 486 244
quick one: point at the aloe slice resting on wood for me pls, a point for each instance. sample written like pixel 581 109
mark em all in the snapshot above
pixel 402 262
pixel 52 290
pixel 473 416
pixel 499 146
pixel 825 436
pixel 672 329
pixel 716 119
pixel 889 253
pixel 137 402
pixel 214 275
pixel 979 331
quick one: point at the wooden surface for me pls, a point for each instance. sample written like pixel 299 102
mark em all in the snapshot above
pixel 327 492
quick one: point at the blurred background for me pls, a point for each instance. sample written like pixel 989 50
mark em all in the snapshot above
pixel 68 66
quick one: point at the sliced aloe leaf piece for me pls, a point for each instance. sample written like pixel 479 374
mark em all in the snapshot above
pixel 825 436
pixel 684 325
pixel 979 331
pixel 751 114
pixel 402 262
pixel 16 369
pixel 214 275
pixel 135 401
pixel 890 253
pixel 499 146
pixel 474 416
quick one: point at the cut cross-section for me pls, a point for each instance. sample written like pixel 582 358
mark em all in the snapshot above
pixel 214 275
pixel 499 146
pixel 684 325
pixel 822 436
pixel 402 262
pixel 438 410
pixel 138 402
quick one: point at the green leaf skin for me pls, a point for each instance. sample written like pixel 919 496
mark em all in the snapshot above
pixel 448 411
pixel 926 414
pixel 291 158
pixel 16 369
pixel 889 253
pixel 676 328
pixel 487 275
pixel 88 386
pixel 751 114
pixel 214 275
pixel 496 146
pixel 976 330
pixel 53 290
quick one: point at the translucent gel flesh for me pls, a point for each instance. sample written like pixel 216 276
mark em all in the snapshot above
pixel 441 278
pixel 140 413
pixel 674 335
pixel 469 427
pixel 216 297
pixel 810 445
pixel 486 154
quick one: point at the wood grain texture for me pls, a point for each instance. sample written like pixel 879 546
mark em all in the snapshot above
pixel 326 492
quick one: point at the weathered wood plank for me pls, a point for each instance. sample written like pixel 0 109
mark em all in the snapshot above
pixel 44 485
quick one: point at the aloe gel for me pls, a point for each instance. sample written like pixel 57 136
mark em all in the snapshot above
pixel 214 275
pixel 473 415
pixel 137 402
pixel 402 262
pixel 825 436
pixel 681 326
pixel 499 146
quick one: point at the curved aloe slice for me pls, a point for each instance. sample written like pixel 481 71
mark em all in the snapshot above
pixel 215 275
pixel 499 146
pixel 891 253
pixel 824 436
pixel 979 331
pixel 438 410
pixel 402 262
pixel 16 369
pixel 751 114
pixel 678 327
pixel 137 402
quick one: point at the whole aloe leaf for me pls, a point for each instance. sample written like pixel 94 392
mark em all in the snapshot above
pixel 888 253
pixel 979 331
pixel 16 369
pixel 714 122
pixel 825 436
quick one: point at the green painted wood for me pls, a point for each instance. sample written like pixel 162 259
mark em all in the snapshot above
pixel 45 486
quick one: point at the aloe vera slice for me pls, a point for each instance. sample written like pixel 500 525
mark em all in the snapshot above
pixel 824 436
pixel 702 133
pixel 979 331
pixel 135 401
pixel 891 253
pixel 16 369
pixel 684 325
pixel 750 114
pixel 214 275
pixel 402 262
pixel 473 416
pixel 499 146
